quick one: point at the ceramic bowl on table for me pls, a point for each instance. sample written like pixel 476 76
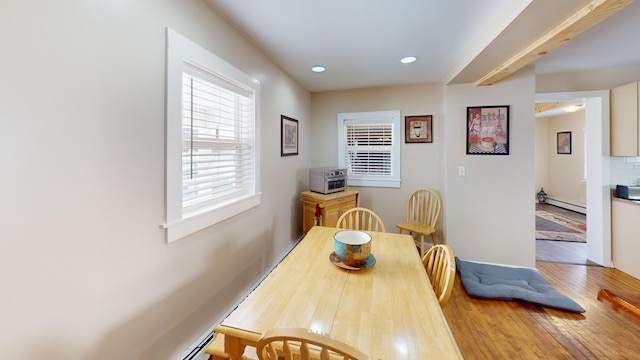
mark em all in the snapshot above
pixel 353 247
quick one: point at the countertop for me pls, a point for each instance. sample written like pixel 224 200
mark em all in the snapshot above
pixel 627 201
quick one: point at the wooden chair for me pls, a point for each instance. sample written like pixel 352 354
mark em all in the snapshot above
pixel 423 211
pixel 440 264
pixel 296 343
pixel 360 219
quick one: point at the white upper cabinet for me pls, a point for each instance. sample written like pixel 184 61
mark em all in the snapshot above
pixel 624 120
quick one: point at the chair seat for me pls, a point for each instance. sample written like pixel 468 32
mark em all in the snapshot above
pixel 416 228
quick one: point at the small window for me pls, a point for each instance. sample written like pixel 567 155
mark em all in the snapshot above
pixel 369 147
pixel 211 157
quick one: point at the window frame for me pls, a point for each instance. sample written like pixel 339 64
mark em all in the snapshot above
pixel 374 117
pixel 180 51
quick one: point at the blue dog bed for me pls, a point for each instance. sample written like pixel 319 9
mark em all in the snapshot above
pixel 491 281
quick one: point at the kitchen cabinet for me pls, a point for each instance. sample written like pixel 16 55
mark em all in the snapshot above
pixel 625 244
pixel 625 129
pixel 329 206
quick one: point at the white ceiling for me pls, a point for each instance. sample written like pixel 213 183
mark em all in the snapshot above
pixel 360 42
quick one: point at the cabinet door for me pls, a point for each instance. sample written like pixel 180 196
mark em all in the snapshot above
pixel 336 207
pixel 349 204
pixel 624 238
pixel 331 215
pixel 624 120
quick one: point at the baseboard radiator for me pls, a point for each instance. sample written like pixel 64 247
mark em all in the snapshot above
pixel 196 350
pixel 566 205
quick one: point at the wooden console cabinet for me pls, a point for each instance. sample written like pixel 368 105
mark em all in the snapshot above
pixel 329 206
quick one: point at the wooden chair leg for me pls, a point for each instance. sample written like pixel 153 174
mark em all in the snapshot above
pixel 433 238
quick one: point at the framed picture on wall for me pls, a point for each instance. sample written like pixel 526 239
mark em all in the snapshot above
pixel 488 130
pixel 288 136
pixel 417 129
pixel 564 142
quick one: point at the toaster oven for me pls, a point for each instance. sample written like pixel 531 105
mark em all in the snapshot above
pixel 628 192
pixel 326 180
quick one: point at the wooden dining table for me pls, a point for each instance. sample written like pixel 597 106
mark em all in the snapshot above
pixel 388 310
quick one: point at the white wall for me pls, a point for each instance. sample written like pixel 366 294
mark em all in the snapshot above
pixel 542 146
pixel 421 162
pixel 599 79
pixel 86 273
pixel 489 213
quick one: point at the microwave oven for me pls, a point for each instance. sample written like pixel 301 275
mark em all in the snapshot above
pixel 326 180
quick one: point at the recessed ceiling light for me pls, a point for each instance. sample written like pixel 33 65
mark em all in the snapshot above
pixel 318 69
pixel 408 59
pixel 573 108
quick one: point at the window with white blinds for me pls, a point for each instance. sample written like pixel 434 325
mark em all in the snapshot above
pixel 217 140
pixel 212 162
pixel 369 148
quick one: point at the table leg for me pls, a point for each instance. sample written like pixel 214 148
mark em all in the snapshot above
pixel 233 347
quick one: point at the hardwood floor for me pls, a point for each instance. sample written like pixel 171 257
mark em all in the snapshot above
pixel 499 329
pixel 562 251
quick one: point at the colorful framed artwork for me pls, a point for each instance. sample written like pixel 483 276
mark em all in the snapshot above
pixel 417 129
pixel 488 130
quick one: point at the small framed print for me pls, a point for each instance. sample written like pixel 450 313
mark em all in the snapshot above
pixel 288 136
pixel 564 142
pixel 417 129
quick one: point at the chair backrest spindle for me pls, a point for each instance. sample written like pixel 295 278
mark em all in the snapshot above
pixel 440 264
pixel 360 219
pixel 423 207
pixel 302 344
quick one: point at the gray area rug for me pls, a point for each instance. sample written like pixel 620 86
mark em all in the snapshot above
pixel 554 227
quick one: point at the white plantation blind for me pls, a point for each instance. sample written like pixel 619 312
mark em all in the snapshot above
pixel 369 147
pixel 217 139
pixel 211 157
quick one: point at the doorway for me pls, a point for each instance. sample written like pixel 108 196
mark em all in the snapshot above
pixel 560 170
pixel 598 198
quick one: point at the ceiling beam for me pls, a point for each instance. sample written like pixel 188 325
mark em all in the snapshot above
pixel 542 107
pixel 546 106
pixel 573 26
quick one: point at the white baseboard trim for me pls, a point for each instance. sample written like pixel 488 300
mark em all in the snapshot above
pixel 564 205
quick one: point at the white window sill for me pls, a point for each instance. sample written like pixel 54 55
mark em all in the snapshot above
pixel 390 183
pixel 188 225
